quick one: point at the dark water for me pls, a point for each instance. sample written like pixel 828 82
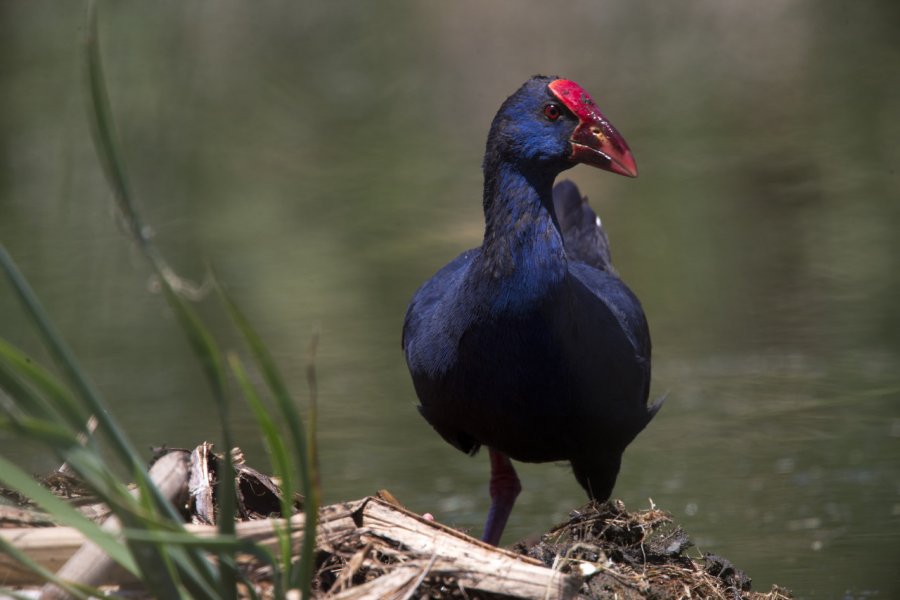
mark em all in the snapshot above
pixel 326 158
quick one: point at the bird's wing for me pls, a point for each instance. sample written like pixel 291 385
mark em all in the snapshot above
pixel 432 306
pixel 625 307
pixel 582 232
pixel 586 242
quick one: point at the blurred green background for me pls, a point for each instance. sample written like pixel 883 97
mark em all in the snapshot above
pixel 325 158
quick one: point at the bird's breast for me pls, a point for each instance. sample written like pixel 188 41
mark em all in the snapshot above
pixel 540 370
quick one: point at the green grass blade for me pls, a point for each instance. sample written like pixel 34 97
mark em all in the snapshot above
pixel 222 545
pixel 201 342
pixel 302 577
pixel 210 543
pixel 207 352
pixel 274 443
pixel 105 143
pixel 84 390
pixel 278 454
pixel 59 350
pixel 59 403
pixel 219 544
pixel 15 478
pixel 24 404
pixel 103 131
pixel 48 433
pixel 45 574
pixel 312 381
pixel 170 562
pixel 66 361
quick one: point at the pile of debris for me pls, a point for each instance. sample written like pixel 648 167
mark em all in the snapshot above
pixel 376 548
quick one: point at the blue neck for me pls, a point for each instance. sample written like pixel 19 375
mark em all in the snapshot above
pixel 522 256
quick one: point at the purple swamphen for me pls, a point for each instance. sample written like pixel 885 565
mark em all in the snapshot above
pixel 531 345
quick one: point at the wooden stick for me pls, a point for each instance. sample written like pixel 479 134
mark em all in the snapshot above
pixel 90 565
pixel 51 547
pixel 426 550
pixel 476 565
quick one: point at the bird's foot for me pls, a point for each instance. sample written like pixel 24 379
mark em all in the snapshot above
pixel 504 487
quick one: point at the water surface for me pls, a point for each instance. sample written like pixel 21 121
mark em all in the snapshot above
pixel 326 159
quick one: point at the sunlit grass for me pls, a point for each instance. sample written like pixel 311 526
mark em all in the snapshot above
pixel 54 410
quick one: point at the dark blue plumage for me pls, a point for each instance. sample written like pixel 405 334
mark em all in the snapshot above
pixel 531 344
pixel 584 236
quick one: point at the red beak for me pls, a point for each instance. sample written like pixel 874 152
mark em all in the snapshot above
pixel 595 141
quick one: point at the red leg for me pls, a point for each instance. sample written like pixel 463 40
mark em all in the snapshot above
pixel 505 487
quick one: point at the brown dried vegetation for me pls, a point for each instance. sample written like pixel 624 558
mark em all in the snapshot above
pixel 375 548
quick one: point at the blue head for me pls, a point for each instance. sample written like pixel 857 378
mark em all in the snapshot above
pixel 549 125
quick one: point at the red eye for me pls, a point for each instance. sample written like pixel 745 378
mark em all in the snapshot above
pixel 552 112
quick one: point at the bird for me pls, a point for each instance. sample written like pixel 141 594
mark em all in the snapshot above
pixel 531 345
